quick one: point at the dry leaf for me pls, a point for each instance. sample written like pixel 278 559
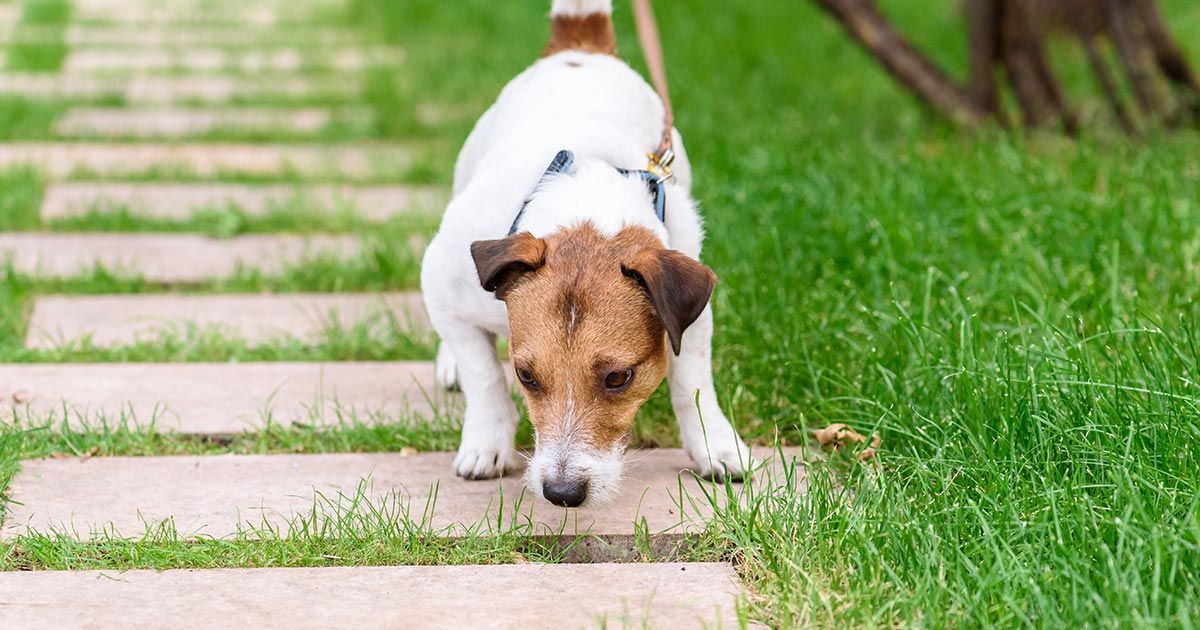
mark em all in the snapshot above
pixel 838 436
pixel 91 452
pixel 408 451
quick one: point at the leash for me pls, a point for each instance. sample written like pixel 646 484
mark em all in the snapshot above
pixel 648 39
pixel 658 171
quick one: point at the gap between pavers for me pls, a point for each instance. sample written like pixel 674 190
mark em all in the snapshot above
pixel 221 398
pixel 64 159
pixel 665 595
pixel 115 320
pixel 209 89
pixel 210 59
pixel 180 123
pixel 166 258
pixel 181 201
pixel 220 495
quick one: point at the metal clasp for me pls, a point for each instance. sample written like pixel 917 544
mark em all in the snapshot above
pixel 661 165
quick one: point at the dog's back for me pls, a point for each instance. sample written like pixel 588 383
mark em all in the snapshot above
pixel 578 95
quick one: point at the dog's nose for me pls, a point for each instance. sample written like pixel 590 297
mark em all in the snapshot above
pixel 565 493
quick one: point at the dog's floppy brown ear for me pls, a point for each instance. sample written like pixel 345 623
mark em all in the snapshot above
pixel 678 286
pixel 501 262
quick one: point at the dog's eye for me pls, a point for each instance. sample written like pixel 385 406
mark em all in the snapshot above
pixel 526 378
pixel 618 380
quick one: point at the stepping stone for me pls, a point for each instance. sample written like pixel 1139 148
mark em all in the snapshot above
pixel 181 201
pixel 165 258
pixel 220 398
pixel 62 160
pixel 664 595
pixel 209 89
pixel 114 320
pixel 147 123
pixel 220 495
pixel 235 15
pixel 222 60
pixel 84 36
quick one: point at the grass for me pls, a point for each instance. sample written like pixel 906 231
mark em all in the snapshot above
pixel 1013 312
pixel 49 19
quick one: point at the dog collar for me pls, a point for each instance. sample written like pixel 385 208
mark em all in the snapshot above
pixel 565 159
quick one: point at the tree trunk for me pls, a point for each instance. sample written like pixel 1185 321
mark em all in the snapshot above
pixel 1011 34
pixel 904 62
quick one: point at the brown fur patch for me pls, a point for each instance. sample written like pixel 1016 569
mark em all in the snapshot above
pixel 577 318
pixel 591 33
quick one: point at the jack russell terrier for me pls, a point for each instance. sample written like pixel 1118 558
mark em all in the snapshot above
pixel 589 268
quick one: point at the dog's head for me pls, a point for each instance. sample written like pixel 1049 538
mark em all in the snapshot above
pixel 591 318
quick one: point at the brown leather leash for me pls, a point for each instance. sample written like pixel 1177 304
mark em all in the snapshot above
pixel 647 30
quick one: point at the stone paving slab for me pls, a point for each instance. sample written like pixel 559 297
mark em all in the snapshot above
pixel 114 320
pixel 208 59
pixel 220 398
pixel 220 495
pixel 181 201
pixel 246 14
pixel 94 35
pixel 64 159
pixel 210 89
pixel 165 258
pixel 172 123
pixel 666 595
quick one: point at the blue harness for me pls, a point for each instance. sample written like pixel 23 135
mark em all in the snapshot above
pixel 562 163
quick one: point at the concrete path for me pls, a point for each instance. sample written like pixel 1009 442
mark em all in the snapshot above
pixel 212 59
pixel 159 16
pixel 209 89
pixel 669 595
pixel 114 320
pixel 82 36
pixel 180 123
pixel 218 495
pixel 64 159
pixel 166 258
pixel 151 94
pixel 221 398
pixel 180 201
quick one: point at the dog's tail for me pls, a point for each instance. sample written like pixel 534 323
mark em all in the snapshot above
pixel 584 25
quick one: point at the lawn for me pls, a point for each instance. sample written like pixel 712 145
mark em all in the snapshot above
pixel 1014 313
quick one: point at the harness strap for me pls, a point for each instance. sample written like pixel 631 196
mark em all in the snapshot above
pixel 562 163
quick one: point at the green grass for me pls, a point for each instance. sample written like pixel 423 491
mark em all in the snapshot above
pixel 49 18
pixel 1014 313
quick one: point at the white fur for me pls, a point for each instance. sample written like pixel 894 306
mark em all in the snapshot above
pixel 609 117
pixel 574 8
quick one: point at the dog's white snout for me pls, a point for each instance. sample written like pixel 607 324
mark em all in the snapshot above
pixel 574 475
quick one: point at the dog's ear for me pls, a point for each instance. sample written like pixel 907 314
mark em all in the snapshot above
pixel 678 286
pixel 502 262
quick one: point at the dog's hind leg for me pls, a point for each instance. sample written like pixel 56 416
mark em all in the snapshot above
pixel 707 435
pixel 490 421
pixel 446 369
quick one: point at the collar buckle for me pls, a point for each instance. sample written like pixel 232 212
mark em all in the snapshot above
pixel 660 165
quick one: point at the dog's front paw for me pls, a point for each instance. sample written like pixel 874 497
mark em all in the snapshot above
pixel 476 463
pixel 484 454
pixel 721 458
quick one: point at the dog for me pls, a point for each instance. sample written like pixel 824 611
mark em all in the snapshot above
pixel 599 296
